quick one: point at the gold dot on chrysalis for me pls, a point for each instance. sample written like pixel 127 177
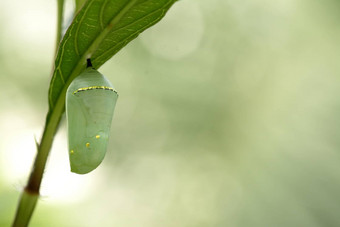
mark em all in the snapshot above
pixel 97 136
pixel 87 144
pixel 72 151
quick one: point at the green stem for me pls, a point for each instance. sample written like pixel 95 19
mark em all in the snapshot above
pixel 59 23
pixel 25 208
pixel 30 194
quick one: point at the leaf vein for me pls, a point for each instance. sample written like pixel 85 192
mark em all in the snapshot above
pixel 101 19
pixel 61 76
pixel 76 43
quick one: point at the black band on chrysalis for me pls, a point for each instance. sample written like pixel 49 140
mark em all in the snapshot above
pixel 89 63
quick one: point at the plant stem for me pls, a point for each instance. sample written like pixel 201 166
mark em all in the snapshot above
pixel 30 194
pixel 25 208
pixel 59 24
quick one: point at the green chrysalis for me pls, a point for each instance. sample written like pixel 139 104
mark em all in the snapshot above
pixel 90 103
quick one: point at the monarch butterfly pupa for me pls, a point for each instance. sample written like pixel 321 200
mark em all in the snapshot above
pixel 90 103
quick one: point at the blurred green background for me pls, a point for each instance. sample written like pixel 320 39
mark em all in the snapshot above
pixel 228 115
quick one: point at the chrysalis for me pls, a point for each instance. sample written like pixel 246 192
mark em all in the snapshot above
pixel 90 103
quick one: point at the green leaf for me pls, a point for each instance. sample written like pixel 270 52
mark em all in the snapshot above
pixel 98 31
pixel 78 4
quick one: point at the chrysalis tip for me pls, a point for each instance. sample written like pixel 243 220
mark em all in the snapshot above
pixel 89 63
